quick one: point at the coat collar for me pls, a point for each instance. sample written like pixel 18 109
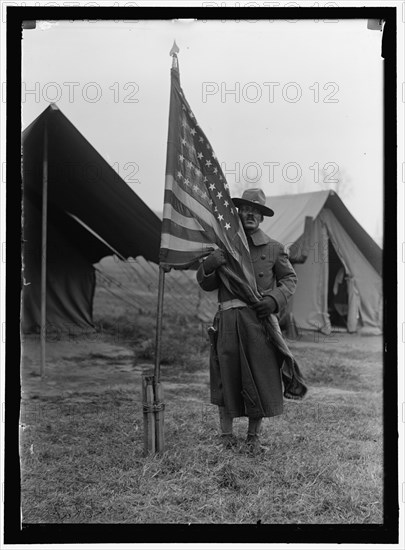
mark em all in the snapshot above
pixel 259 238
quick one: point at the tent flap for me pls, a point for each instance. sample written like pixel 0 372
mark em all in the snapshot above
pixel 366 281
pixel 310 301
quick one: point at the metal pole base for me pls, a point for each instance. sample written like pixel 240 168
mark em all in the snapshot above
pixel 153 415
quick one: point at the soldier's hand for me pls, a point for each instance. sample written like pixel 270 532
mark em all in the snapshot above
pixel 266 306
pixel 213 261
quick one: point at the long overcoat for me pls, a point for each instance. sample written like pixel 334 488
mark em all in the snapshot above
pixel 245 368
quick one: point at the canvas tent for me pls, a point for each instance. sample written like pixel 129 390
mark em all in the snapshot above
pixel 91 213
pixel 340 281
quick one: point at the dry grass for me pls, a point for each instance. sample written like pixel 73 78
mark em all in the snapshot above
pixel 88 467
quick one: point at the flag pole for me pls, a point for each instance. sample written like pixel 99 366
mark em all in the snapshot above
pixel 159 317
pixel 158 342
pixel 44 249
pixel 152 389
pixel 157 386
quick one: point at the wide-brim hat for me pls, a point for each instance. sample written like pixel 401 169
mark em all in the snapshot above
pixel 254 197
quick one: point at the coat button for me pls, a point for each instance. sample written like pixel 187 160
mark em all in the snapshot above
pixel 263 256
pixel 261 274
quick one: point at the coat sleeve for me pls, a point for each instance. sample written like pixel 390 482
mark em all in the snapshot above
pixel 207 282
pixel 286 279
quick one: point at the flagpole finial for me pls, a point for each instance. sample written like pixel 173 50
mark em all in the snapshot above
pixel 175 49
pixel 173 52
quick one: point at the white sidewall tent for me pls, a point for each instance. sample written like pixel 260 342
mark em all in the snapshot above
pixel 361 258
pixel 364 284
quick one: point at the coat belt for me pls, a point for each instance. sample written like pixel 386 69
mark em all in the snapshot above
pixel 229 304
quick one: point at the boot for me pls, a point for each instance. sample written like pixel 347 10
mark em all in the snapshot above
pixel 252 440
pixel 253 445
pixel 228 440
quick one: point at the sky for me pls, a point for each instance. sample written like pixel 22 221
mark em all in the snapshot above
pixel 288 106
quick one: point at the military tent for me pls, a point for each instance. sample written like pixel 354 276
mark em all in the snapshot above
pixel 91 213
pixel 340 270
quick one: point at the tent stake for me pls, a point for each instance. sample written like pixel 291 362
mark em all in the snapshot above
pixel 44 249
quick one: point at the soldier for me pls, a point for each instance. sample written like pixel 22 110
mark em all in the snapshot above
pixel 245 368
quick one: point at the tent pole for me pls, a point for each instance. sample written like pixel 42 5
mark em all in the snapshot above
pixel 44 248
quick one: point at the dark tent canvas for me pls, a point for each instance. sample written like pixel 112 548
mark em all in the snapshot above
pixel 340 282
pixel 92 213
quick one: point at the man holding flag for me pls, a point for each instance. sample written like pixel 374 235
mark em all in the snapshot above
pixel 199 220
pixel 245 369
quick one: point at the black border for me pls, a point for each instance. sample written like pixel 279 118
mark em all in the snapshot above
pixel 127 533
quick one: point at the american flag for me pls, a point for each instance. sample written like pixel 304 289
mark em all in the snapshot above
pixel 198 214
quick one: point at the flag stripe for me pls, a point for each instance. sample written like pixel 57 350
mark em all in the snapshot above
pixel 179 259
pixel 176 243
pixel 170 227
pixel 170 213
pixel 186 199
pixel 179 190
pixel 207 227
pixel 176 200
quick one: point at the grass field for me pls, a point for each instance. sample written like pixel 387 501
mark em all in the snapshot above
pixel 82 433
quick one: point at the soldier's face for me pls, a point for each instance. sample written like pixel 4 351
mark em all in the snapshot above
pixel 250 218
